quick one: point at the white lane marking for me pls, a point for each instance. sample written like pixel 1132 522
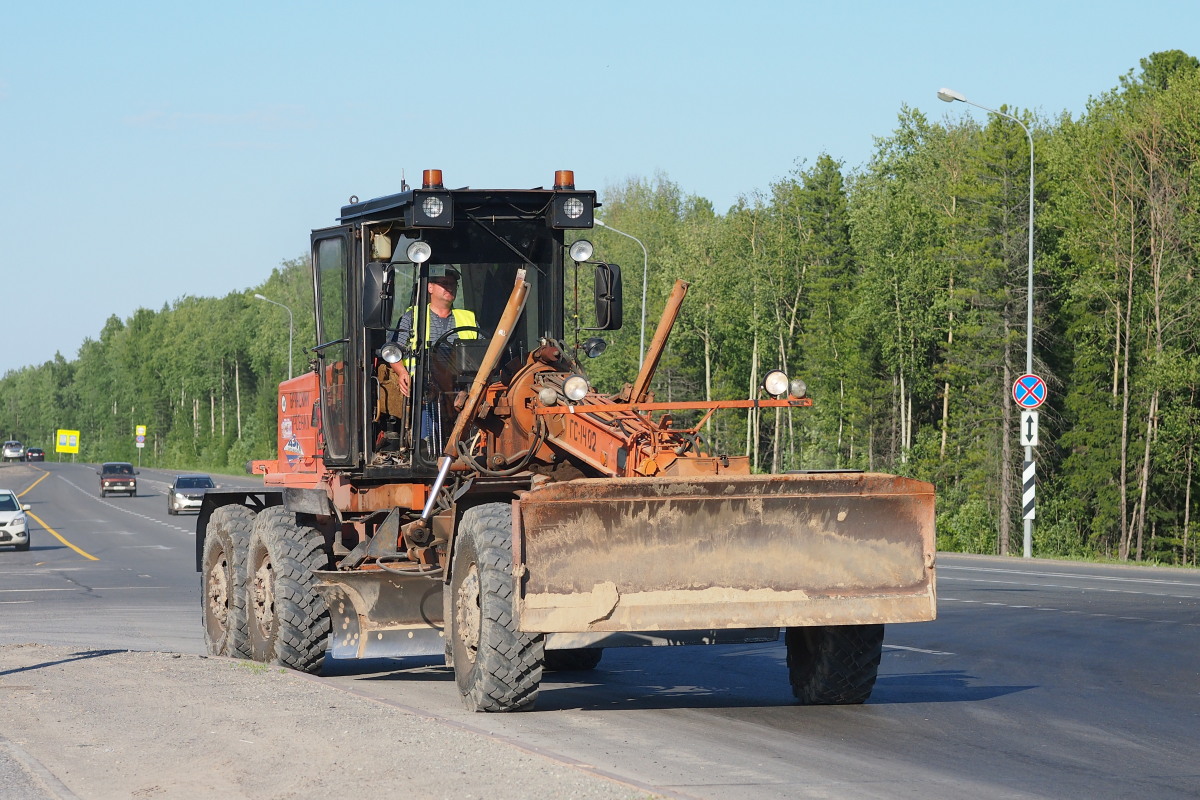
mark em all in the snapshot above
pixel 943 579
pixel 1076 575
pixel 111 504
pixel 1095 614
pixel 916 650
pixel 81 589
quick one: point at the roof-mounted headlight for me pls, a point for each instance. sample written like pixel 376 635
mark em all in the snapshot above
pixel 430 209
pixel 776 383
pixel 575 388
pixel 797 388
pixel 572 209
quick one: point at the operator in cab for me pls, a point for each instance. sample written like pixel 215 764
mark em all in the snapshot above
pixel 443 318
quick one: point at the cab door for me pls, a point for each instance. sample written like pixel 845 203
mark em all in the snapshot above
pixel 333 270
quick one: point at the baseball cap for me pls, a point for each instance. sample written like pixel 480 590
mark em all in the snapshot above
pixel 437 272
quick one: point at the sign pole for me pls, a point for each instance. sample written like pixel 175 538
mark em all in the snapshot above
pixel 1029 392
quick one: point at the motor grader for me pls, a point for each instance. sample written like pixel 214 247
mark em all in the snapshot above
pixel 499 509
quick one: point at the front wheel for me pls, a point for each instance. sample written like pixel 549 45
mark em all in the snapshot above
pixel 289 619
pixel 833 664
pixel 496 667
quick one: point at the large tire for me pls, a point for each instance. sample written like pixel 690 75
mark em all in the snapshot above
pixel 576 659
pixel 223 579
pixel 833 665
pixel 496 667
pixel 289 619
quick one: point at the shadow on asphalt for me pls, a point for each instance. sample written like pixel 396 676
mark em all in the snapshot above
pixel 80 656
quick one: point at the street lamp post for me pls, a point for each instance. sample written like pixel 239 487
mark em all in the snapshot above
pixel 645 271
pixel 950 96
pixel 291 329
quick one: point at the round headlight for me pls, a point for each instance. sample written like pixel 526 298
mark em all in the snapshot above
pixel 581 250
pixel 433 207
pixel 573 208
pixel 776 383
pixel 548 396
pixel 419 252
pixel 797 388
pixel 575 388
pixel 391 352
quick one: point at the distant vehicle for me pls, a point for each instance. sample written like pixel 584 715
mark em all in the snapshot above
pixel 35 454
pixel 13 531
pixel 13 450
pixel 117 476
pixel 187 493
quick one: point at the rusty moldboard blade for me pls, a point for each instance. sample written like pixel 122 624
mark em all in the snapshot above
pixel 720 552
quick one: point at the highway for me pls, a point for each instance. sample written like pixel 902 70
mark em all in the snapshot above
pixel 1040 679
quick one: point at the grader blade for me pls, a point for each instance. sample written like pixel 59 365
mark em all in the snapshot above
pixel 652 554
pixel 382 614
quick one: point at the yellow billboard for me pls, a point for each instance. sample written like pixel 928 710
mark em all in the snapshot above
pixel 67 442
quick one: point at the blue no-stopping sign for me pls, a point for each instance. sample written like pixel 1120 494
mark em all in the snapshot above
pixel 1029 391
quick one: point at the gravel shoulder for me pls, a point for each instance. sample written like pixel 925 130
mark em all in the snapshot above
pixel 125 724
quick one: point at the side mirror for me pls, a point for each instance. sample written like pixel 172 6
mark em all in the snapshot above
pixel 608 297
pixel 377 295
pixel 27 507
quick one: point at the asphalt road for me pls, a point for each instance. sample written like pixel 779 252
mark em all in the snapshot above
pixel 1039 679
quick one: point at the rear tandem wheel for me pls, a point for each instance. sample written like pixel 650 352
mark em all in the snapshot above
pixel 223 573
pixel 289 619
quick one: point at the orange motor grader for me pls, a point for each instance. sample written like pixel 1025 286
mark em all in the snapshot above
pixel 498 509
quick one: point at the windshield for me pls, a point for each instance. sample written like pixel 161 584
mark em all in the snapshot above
pixel 194 483
pixel 118 469
pixel 8 503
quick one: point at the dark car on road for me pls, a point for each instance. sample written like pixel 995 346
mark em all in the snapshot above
pixel 117 476
pixel 35 454
pixel 187 493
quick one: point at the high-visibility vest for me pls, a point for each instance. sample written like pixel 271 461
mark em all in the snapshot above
pixel 462 318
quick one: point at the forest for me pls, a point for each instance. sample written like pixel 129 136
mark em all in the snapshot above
pixel 897 291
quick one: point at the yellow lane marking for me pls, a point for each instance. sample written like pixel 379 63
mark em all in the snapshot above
pixel 47 527
pixel 60 538
pixel 35 483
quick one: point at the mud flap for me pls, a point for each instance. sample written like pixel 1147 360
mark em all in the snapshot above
pixel 657 554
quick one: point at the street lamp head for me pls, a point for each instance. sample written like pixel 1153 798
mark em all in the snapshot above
pixel 949 96
pixel 259 296
pixel 599 222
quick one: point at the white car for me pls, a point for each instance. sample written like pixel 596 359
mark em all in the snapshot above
pixel 13 531
pixel 14 450
pixel 187 493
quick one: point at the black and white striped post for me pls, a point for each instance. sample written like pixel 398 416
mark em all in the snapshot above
pixel 1029 392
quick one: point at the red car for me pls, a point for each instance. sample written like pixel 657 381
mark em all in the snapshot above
pixel 117 476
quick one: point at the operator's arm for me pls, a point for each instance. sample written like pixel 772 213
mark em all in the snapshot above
pixel 402 335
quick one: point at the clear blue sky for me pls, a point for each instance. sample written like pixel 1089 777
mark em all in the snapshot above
pixel 153 150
